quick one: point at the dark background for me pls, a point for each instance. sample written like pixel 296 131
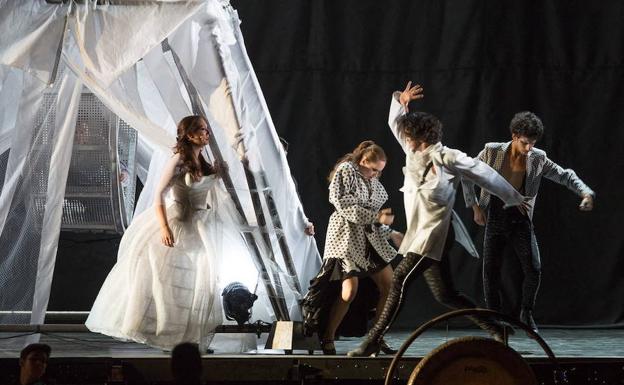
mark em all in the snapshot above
pixel 328 68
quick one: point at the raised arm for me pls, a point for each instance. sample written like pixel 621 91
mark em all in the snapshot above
pixel 399 105
pixel 568 178
pixel 159 200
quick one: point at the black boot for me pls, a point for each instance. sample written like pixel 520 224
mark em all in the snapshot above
pixel 385 348
pixel 368 347
pixel 526 316
pixel 328 347
pixel 411 265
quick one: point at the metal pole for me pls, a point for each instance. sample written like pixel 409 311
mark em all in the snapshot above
pixel 275 294
pixel 275 218
pixel 277 223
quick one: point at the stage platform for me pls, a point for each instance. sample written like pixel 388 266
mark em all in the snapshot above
pixel 589 356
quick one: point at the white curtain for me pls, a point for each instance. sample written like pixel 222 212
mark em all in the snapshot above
pixel 116 52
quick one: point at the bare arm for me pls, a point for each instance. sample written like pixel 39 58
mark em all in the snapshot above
pixel 159 200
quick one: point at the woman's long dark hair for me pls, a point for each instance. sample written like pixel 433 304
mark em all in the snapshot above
pixel 368 150
pixel 196 167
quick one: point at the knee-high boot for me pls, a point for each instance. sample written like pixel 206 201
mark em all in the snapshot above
pixel 412 265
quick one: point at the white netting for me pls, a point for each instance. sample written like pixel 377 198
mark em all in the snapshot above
pixel 176 59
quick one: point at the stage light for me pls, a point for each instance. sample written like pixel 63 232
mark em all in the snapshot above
pixel 237 302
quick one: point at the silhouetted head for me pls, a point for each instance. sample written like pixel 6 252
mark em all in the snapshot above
pixel 33 362
pixel 186 363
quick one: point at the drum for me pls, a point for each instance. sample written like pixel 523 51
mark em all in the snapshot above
pixel 472 361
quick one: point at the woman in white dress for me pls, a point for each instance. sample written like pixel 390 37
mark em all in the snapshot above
pixel 163 288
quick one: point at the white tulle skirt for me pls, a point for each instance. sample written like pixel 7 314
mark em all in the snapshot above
pixel 161 295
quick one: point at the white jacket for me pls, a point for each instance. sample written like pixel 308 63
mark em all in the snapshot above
pixel 429 202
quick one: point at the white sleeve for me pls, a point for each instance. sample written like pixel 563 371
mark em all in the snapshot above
pixel 165 180
pixel 396 111
pixel 486 177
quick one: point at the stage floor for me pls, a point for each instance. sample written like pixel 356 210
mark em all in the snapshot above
pixel 586 356
pixel 565 343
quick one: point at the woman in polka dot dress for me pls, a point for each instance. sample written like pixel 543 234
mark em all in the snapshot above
pixel 357 246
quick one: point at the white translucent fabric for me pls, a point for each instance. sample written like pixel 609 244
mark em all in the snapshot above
pixel 235 104
pixel 260 133
pixel 32 195
pixel 12 81
pixel 112 38
pixel 124 64
pixel 32 34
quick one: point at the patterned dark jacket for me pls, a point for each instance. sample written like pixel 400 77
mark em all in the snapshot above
pixel 538 166
pixel 357 202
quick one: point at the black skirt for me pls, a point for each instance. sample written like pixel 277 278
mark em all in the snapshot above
pixel 325 289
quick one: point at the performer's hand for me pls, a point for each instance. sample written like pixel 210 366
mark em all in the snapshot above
pixel 221 168
pixel 410 93
pixel 309 230
pixel 397 238
pixel 166 236
pixel 587 204
pixel 525 206
pixel 479 215
pixel 385 216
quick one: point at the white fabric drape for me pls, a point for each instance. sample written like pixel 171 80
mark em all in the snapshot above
pixel 260 133
pixel 116 53
pixel 32 32
pixel 68 97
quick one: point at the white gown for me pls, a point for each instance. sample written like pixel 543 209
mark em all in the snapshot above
pixel 161 295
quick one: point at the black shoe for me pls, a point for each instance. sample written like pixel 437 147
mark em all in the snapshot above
pixel 367 348
pixel 385 348
pixel 328 347
pixel 526 316
pixel 209 351
pixel 497 331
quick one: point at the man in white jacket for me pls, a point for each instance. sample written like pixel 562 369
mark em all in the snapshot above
pixel 432 174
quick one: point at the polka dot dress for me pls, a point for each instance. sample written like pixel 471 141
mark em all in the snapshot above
pixel 351 228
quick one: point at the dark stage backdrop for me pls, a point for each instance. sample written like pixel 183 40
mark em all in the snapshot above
pixel 328 68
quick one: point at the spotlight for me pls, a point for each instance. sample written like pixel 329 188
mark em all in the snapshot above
pixel 237 302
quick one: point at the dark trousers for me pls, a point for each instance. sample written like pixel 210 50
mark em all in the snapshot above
pixel 438 277
pixel 509 227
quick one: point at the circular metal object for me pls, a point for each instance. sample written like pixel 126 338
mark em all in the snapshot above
pixel 472 361
pixel 467 312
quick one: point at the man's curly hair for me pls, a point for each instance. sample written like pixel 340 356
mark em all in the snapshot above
pixel 420 126
pixel 527 124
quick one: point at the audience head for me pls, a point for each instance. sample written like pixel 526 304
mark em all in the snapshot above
pixel 33 362
pixel 186 363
